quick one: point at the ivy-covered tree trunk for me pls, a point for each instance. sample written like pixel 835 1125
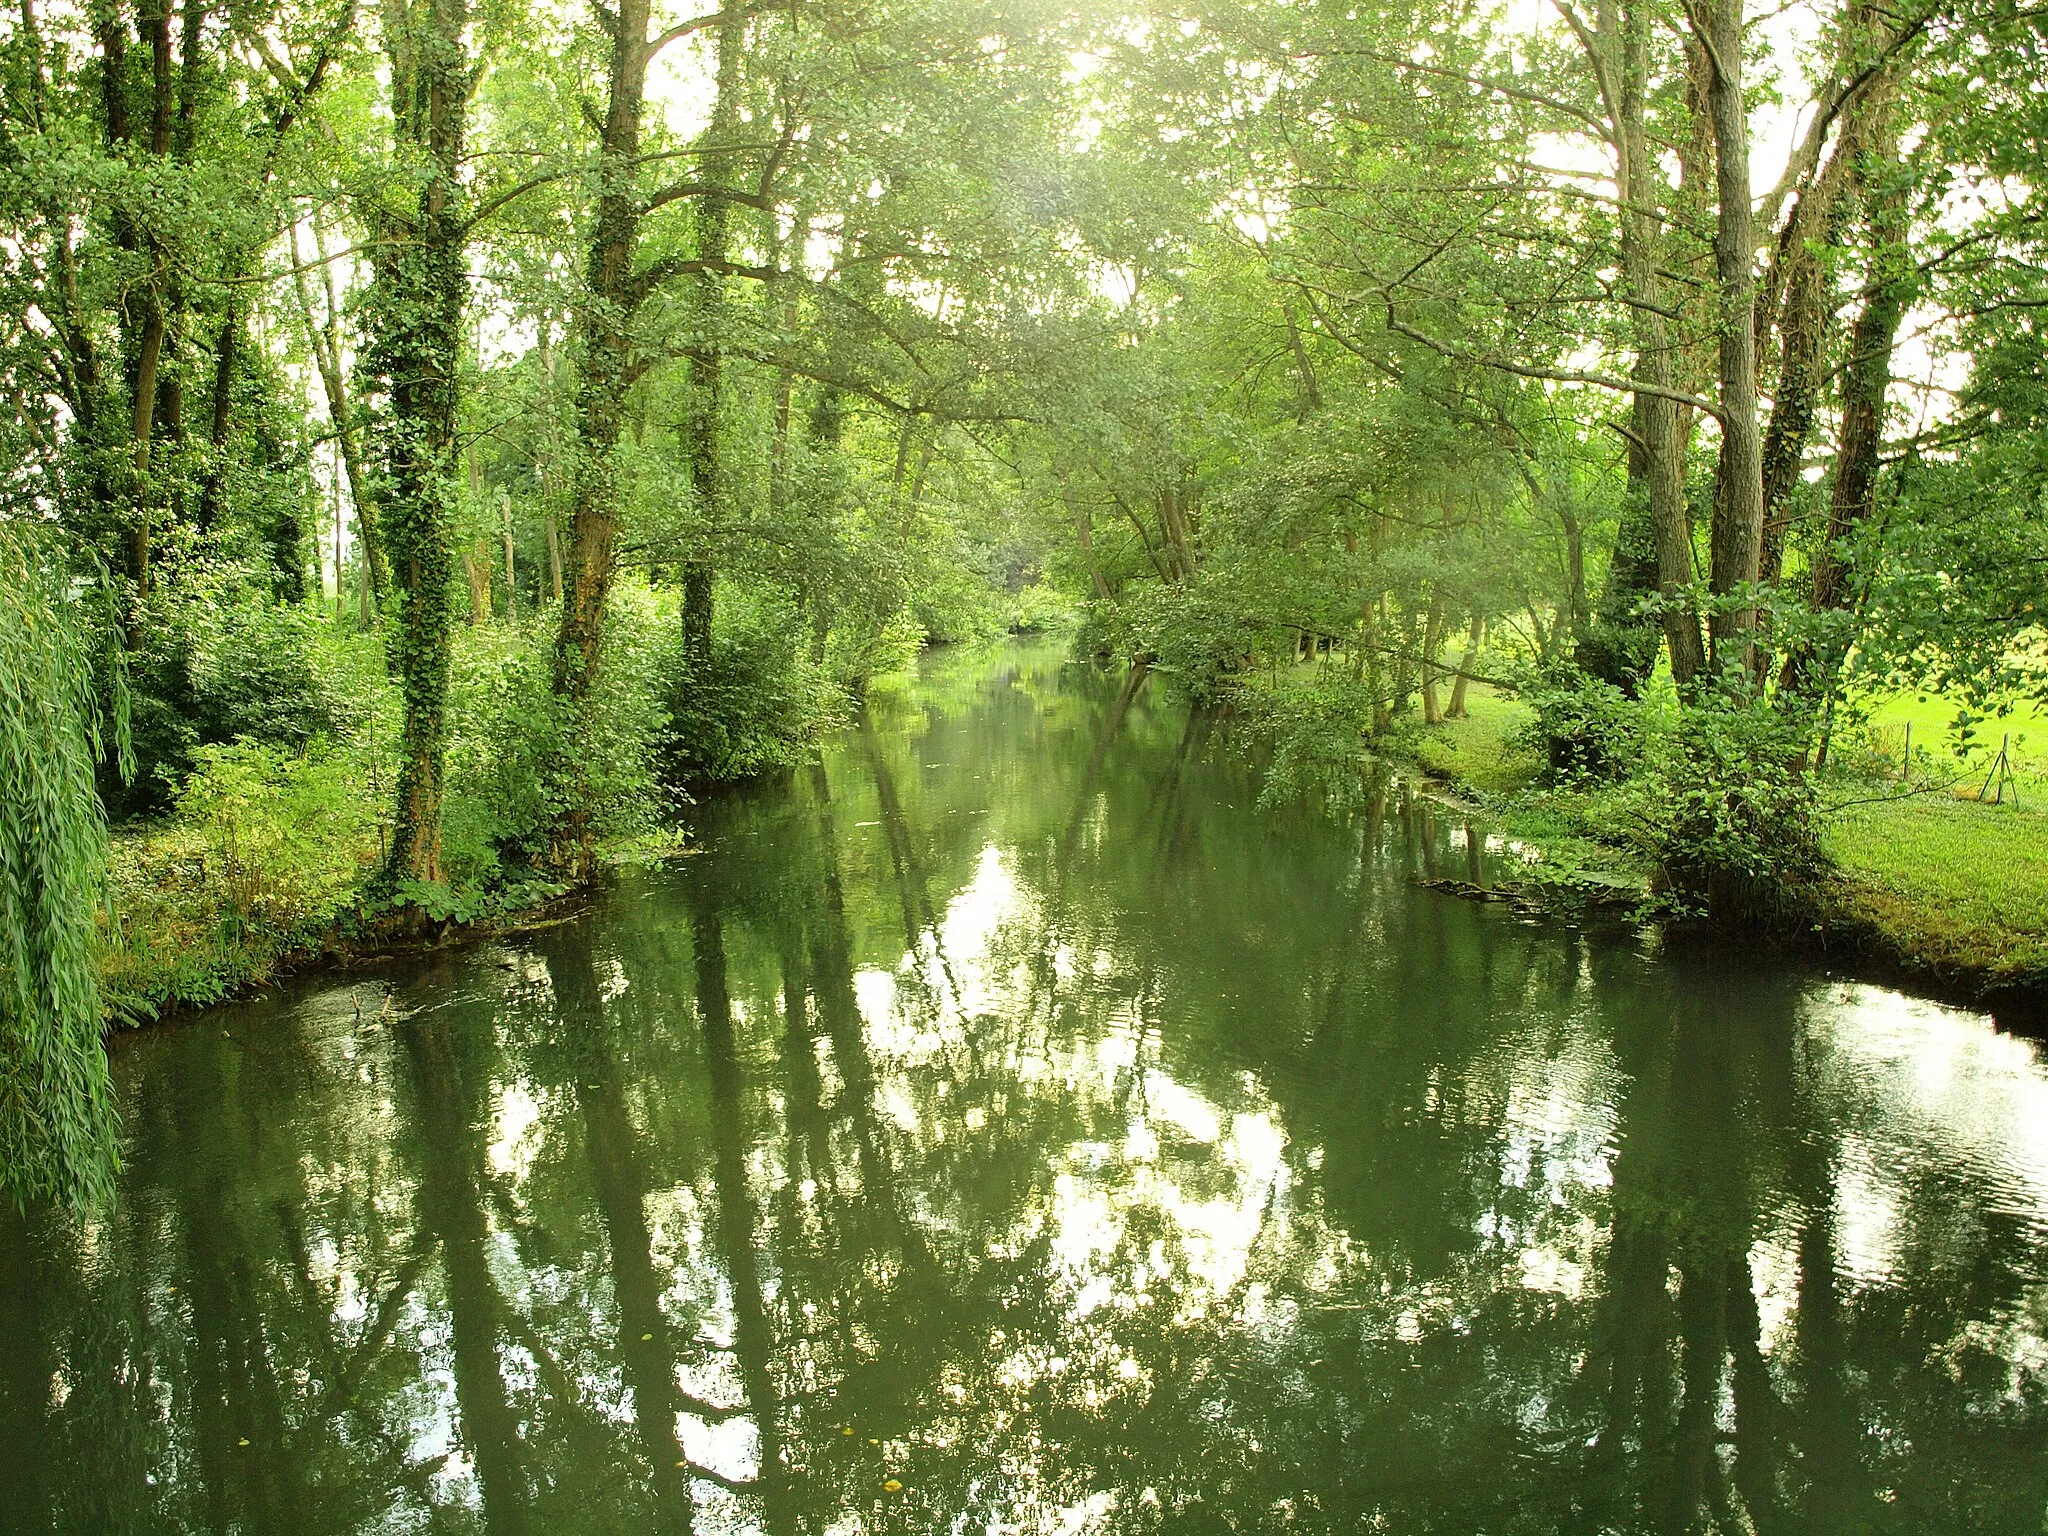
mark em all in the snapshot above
pixel 707 381
pixel 415 325
pixel 1891 282
pixel 604 323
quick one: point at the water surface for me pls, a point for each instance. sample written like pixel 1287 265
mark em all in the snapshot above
pixel 1003 1125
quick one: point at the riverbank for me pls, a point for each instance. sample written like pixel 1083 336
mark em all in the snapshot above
pixel 1944 892
pixel 192 921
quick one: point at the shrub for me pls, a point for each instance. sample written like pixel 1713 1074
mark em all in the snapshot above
pixel 266 847
pixel 757 702
pixel 287 834
pixel 1730 813
pixel 509 750
pixel 1583 728
pixel 1200 641
pixel 220 659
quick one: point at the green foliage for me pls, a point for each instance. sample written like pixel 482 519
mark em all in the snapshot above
pixel 1582 728
pixel 1193 636
pixel 219 658
pixel 58 1131
pixel 757 703
pixel 263 856
pixel 283 829
pixel 508 741
pixel 1311 731
pixel 1730 811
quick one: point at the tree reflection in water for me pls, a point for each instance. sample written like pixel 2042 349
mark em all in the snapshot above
pixel 1005 1111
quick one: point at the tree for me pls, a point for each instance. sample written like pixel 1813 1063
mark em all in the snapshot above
pixel 413 358
pixel 59 1133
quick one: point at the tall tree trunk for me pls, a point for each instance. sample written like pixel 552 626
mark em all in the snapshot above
pixel 1738 483
pixel 1890 283
pixel 422 280
pixel 1803 280
pixel 1657 431
pixel 1456 709
pixel 1084 536
pixel 1432 637
pixel 707 382
pixel 324 334
pixel 1619 647
pixel 603 326
pixel 511 570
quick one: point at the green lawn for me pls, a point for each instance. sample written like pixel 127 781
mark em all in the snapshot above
pixel 1933 747
pixel 1944 884
pixel 1949 885
pixel 1480 749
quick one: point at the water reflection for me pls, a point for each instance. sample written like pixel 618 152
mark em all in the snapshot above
pixel 1001 1126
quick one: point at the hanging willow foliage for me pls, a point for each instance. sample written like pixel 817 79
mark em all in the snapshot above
pixel 58 1125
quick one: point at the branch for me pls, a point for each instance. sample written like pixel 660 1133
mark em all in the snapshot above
pixel 1558 375
pixel 647 279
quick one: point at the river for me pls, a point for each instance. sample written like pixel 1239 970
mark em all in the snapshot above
pixel 1004 1125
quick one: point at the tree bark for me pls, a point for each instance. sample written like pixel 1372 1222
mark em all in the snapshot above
pixel 1810 669
pixel 1737 539
pixel 707 381
pixel 324 334
pixel 1456 709
pixel 603 326
pixel 417 337
pixel 1657 432
pixel 1084 535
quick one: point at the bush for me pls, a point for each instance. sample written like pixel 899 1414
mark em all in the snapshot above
pixel 1730 812
pixel 757 702
pixel 1034 609
pixel 219 659
pixel 266 848
pixel 509 751
pixel 1583 728
pixel 287 835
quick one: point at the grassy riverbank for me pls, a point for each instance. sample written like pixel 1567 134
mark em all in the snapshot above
pixel 1940 887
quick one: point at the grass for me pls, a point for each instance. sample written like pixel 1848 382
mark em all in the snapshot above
pixel 194 927
pixel 1582 849
pixel 1930 719
pixel 1481 750
pixel 1939 884
pixel 1947 886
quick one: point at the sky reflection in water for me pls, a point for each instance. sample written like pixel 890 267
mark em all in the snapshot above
pixel 1006 1111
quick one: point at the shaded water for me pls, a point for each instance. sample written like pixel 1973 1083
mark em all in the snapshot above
pixel 1002 1126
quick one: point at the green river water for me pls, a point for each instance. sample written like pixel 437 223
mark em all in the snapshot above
pixel 1005 1126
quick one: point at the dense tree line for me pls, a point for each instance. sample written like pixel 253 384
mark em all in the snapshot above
pixel 706 362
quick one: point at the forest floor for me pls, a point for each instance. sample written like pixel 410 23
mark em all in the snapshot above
pixel 1924 879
